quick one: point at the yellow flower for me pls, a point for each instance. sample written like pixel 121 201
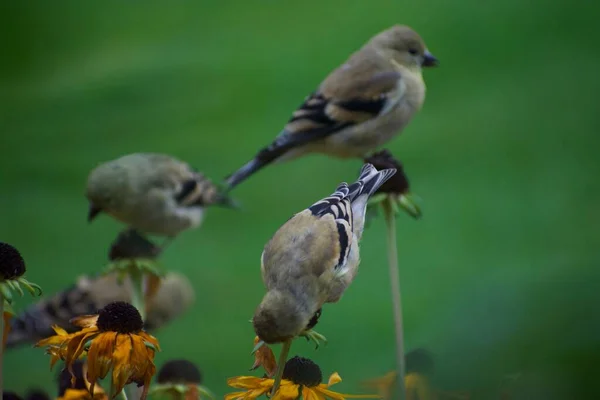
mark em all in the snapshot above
pixel 301 377
pixel 80 389
pixel 114 341
pixel 180 379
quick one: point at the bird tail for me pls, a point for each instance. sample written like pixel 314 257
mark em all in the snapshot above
pixel 368 182
pixel 285 147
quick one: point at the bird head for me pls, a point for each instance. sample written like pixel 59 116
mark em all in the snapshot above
pixel 105 188
pixel 405 46
pixel 280 317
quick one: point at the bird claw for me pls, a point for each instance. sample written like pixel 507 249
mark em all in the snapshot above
pixel 316 337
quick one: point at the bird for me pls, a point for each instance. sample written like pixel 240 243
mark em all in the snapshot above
pixel 358 107
pixel 154 193
pixel 313 258
pixel 89 294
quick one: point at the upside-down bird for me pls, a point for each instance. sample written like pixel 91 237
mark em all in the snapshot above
pixel 313 258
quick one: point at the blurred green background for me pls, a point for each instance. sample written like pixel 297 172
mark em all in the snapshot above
pixel 499 278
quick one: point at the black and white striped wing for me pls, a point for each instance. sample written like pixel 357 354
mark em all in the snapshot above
pixel 338 206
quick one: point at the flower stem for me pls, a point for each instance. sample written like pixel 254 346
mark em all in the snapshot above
pixel 123 394
pixel 137 293
pixel 1 345
pixel 390 220
pixel 285 349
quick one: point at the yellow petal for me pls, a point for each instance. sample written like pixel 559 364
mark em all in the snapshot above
pixel 235 396
pixel 289 391
pixel 310 394
pixel 333 379
pixel 122 369
pixel 100 356
pixel 248 382
pixel 85 321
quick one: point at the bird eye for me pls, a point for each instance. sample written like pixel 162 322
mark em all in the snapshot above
pixel 413 51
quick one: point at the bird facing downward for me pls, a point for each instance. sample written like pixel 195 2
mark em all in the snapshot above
pixel 360 106
pixel 313 258
pixel 154 193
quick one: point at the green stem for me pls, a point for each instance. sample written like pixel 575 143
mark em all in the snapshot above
pixel 285 349
pixel 137 294
pixel 390 220
pixel 1 345
pixel 123 395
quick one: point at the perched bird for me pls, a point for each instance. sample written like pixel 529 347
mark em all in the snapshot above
pixel 360 106
pixel 313 258
pixel 175 295
pixel 154 193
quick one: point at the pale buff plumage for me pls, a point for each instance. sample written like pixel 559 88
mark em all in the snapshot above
pixel 153 193
pixel 313 258
pixel 359 106
pixel 175 295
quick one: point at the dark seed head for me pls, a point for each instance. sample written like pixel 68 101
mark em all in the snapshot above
pixel 130 244
pixel 398 183
pixel 120 317
pixel 179 372
pixel 10 396
pixel 419 361
pixel 37 395
pixel 12 264
pixel 302 371
pixel 64 379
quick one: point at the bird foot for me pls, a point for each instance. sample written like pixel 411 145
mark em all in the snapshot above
pixel 314 336
pixel 405 201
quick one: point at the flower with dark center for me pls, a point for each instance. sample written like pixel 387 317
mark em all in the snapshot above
pixel 130 244
pixel 37 395
pixel 119 317
pixel 113 341
pixel 302 371
pixel 395 190
pixel 179 371
pixel 12 264
pixel 301 377
pixel 398 183
pixel 180 379
pixel 10 396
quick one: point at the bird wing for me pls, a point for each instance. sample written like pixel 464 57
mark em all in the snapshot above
pixel 189 186
pixel 361 89
pixel 337 209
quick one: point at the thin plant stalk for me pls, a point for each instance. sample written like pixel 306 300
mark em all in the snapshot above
pixel 1 345
pixel 123 395
pixel 285 349
pixel 137 293
pixel 390 220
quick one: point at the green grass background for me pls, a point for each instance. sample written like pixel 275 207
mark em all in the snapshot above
pixel 500 276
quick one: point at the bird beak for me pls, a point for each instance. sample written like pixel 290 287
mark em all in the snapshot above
pixel 93 212
pixel 429 60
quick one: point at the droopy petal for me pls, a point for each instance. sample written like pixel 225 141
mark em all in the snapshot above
pixel 85 321
pixel 333 379
pixel 122 368
pixel 248 382
pixel 289 391
pixel 100 356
